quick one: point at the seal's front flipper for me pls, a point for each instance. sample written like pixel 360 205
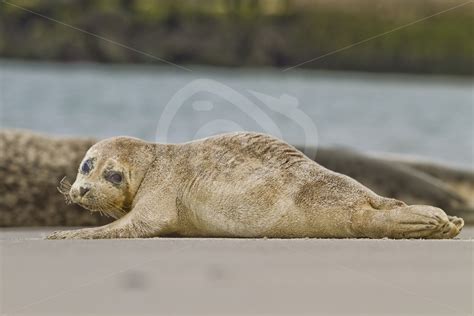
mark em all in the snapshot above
pixel 143 221
pixel 84 233
pixel 118 229
pixel 127 228
pixel 416 221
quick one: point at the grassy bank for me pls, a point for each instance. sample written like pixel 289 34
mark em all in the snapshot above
pixel 248 33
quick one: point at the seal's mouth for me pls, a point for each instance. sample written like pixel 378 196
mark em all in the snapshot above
pixel 87 207
pixel 65 189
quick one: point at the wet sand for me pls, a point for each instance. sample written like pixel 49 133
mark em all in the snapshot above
pixel 234 276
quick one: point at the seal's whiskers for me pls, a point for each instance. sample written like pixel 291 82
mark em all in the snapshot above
pixel 114 210
pixel 64 188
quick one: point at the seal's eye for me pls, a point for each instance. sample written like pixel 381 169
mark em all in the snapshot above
pixel 114 177
pixel 86 166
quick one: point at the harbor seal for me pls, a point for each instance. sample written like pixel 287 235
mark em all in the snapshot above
pixel 27 200
pixel 236 185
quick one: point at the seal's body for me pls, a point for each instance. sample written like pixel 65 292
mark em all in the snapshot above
pixel 236 185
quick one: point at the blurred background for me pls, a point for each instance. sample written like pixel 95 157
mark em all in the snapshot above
pixel 384 76
pixel 379 76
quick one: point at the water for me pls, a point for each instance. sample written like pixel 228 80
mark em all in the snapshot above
pixel 417 115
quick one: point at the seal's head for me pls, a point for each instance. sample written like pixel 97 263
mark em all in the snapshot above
pixel 110 174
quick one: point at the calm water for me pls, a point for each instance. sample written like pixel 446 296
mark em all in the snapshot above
pixel 426 116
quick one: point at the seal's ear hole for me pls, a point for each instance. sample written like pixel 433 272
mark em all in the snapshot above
pixel 114 177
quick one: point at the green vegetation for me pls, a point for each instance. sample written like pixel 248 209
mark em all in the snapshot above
pixel 247 33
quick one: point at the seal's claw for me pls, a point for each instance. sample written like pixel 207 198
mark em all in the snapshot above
pixel 58 235
pixel 69 234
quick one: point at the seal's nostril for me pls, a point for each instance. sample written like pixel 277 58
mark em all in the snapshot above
pixel 83 191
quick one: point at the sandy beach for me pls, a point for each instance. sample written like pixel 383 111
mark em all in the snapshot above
pixel 175 276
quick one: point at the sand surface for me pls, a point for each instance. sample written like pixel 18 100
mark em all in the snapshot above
pixel 172 276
